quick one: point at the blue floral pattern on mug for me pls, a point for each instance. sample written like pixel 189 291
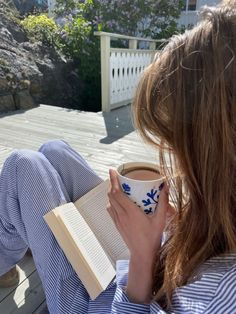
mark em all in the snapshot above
pixel 126 188
pixel 152 197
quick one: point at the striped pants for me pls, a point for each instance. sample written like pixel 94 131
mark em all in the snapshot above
pixel 31 184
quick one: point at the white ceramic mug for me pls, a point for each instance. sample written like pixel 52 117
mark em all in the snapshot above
pixel 142 182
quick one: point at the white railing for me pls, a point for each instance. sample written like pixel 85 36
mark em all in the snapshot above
pixel 121 68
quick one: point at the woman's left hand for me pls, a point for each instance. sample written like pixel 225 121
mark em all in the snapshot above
pixel 142 233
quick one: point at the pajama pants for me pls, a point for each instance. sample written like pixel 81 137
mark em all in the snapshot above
pixel 31 184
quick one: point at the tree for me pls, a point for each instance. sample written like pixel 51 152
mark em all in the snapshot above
pixel 147 18
pixel 80 18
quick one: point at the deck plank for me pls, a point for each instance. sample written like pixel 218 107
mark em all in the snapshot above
pixel 28 296
pixel 104 139
pixel 42 309
pixel 25 267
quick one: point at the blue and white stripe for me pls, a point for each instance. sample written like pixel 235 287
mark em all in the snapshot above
pixel 31 184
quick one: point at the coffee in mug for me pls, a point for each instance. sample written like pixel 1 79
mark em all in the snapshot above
pixel 142 182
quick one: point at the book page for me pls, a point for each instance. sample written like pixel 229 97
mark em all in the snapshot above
pixel 85 240
pixel 92 207
pixel 73 253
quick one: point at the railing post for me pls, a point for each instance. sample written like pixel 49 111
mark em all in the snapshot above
pixel 133 44
pixel 105 72
pixel 121 68
pixel 152 46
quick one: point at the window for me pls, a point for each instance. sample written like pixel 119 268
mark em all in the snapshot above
pixel 190 5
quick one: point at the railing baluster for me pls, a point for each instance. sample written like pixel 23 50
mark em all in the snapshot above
pixel 121 68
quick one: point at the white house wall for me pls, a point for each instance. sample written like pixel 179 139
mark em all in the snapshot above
pixel 189 18
pixel 51 6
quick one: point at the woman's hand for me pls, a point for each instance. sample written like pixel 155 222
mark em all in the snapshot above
pixel 142 234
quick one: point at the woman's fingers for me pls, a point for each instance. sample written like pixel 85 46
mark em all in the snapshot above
pixel 118 197
pixel 114 196
pixel 115 185
pixel 141 234
pixel 115 193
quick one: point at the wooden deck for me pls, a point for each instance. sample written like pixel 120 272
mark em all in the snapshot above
pixel 104 139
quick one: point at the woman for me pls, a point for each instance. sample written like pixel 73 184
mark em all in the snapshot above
pixel 185 105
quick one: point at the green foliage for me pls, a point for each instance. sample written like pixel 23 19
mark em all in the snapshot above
pixel 129 17
pixel 8 12
pixel 78 19
pixel 145 18
pixel 41 28
pixel 78 42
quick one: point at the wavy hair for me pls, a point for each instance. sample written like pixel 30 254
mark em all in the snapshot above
pixel 185 106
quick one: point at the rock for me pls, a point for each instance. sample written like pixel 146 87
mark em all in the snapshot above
pixel 7 103
pixel 4 32
pixel 23 100
pixel 30 72
pixel 4 85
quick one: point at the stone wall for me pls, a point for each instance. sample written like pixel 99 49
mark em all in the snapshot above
pixel 31 73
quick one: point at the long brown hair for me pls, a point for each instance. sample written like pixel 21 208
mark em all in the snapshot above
pixel 186 105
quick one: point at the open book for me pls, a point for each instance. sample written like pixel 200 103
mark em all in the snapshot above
pixel 87 235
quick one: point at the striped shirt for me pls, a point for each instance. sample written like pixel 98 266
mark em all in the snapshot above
pixel 212 290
